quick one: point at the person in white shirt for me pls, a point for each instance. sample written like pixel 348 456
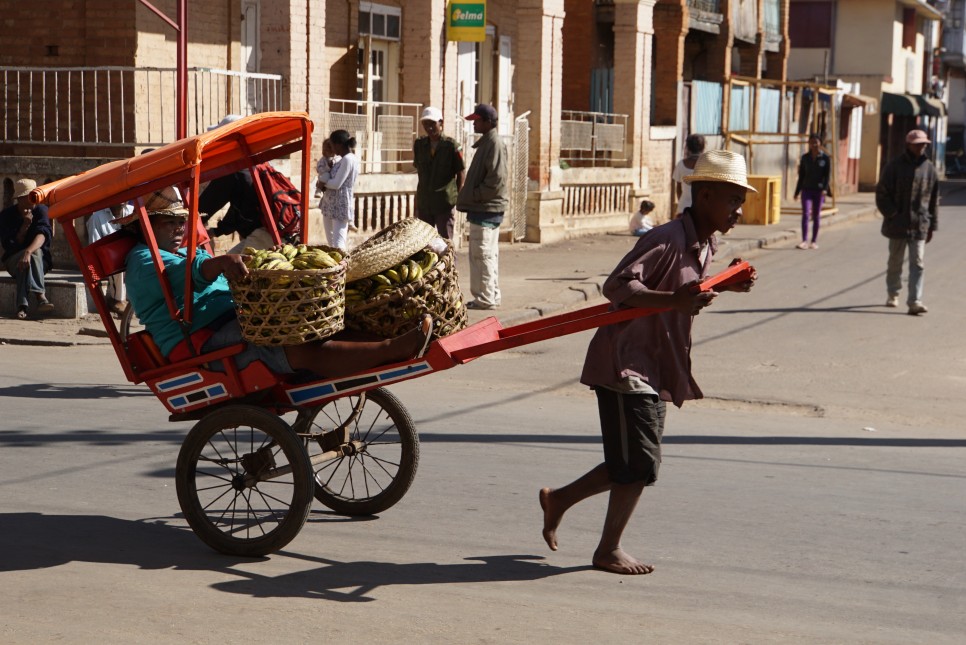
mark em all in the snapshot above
pixel 641 221
pixel 101 224
pixel 338 200
pixel 694 146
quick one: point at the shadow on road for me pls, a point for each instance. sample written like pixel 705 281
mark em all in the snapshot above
pixel 860 309
pixel 871 442
pixel 40 436
pixel 31 541
pixel 353 581
pixel 69 391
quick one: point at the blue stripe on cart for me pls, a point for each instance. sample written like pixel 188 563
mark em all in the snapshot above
pixel 311 393
pixel 179 382
pixel 204 395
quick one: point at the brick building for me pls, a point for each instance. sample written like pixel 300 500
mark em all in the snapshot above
pixel 594 96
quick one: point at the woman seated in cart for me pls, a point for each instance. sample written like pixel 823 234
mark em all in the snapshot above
pixel 214 323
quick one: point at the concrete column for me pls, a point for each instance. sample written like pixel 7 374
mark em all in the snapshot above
pixel 292 45
pixel 537 89
pixel 538 82
pixel 633 31
pixel 423 50
pixel 670 30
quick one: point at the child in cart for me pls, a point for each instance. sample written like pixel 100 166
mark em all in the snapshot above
pixel 215 324
pixel 636 366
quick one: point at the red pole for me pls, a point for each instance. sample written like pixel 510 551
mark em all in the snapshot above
pixel 181 75
pixel 182 69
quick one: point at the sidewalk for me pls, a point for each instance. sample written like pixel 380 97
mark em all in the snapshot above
pixel 536 280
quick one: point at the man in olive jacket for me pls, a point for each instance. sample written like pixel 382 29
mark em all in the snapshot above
pixel 908 198
pixel 484 199
pixel 439 167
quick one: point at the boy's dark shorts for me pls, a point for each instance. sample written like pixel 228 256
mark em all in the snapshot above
pixel 632 426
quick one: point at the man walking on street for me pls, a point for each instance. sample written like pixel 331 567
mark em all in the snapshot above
pixel 439 165
pixel 484 199
pixel 908 198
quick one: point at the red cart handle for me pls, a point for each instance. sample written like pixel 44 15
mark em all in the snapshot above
pixel 587 318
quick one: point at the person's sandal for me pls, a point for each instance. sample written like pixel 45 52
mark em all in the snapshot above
pixel 45 306
pixel 21 314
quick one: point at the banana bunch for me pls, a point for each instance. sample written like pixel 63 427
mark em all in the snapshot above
pixel 291 258
pixel 411 270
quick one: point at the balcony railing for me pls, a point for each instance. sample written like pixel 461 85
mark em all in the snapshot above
pixel 711 6
pixel 383 131
pixel 122 106
pixel 593 138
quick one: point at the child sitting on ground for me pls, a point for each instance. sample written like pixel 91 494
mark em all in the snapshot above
pixel 640 222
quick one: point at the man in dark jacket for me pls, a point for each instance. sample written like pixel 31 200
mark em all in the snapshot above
pixel 908 198
pixel 25 234
pixel 484 198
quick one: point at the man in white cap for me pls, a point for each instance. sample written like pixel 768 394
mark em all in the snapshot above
pixel 636 366
pixel 907 195
pixel 25 234
pixel 439 165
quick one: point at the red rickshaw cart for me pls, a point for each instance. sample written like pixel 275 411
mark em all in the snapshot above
pixel 245 476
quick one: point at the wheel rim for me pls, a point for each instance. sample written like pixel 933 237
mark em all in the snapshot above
pixel 231 488
pixel 369 472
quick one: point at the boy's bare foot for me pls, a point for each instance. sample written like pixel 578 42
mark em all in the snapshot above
pixel 551 517
pixel 617 561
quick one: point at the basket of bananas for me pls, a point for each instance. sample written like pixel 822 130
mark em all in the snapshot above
pixel 387 303
pixel 292 294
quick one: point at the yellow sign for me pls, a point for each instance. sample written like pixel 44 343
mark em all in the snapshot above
pixel 466 21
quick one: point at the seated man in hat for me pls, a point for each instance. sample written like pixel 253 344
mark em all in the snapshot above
pixel 214 323
pixel 25 234
pixel 636 366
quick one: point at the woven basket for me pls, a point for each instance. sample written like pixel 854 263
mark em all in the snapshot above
pixel 389 247
pixel 290 307
pixel 396 312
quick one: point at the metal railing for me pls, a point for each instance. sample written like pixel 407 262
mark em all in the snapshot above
pixel 384 132
pixel 122 106
pixel 711 6
pixel 593 138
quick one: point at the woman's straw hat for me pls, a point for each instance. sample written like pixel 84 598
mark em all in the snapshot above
pixel 721 165
pixel 166 201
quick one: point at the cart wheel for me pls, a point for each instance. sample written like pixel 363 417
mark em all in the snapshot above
pixel 244 481
pixel 129 323
pixel 377 465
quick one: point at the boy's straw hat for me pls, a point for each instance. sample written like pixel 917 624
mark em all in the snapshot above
pixel 721 165
pixel 166 201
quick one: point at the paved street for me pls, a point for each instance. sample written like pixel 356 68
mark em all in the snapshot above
pixel 815 496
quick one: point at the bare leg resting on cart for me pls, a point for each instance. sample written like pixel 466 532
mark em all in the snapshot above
pixel 609 555
pixel 332 358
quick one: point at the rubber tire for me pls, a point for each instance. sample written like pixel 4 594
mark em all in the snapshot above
pixel 347 500
pixel 232 428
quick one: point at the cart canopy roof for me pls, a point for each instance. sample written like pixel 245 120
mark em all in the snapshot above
pixel 225 149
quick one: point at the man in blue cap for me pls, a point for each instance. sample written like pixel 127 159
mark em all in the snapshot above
pixel 484 199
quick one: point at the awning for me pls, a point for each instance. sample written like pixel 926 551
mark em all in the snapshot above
pixel 870 104
pixel 930 106
pixel 900 104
